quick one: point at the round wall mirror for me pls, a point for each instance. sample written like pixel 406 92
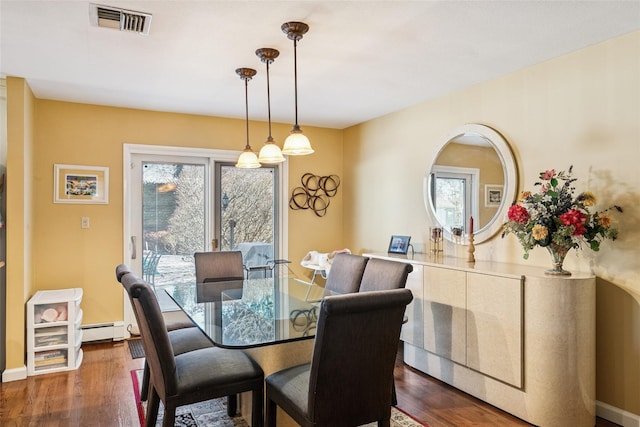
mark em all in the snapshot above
pixel 471 183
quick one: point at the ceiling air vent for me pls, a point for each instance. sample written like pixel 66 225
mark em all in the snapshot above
pixel 120 19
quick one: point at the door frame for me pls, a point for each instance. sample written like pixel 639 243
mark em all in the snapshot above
pixel 214 155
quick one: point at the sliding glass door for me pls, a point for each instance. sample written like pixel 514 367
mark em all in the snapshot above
pixel 178 201
pixel 246 220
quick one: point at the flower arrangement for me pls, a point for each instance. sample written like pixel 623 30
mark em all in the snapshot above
pixel 556 219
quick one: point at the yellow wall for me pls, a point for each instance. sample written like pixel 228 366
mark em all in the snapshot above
pixel 581 109
pixel 19 186
pixel 65 255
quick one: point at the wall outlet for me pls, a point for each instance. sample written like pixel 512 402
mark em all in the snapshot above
pixel 85 222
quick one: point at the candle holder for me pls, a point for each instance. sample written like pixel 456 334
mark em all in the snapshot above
pixel 435 240
pixel 471 250
pixel 458 238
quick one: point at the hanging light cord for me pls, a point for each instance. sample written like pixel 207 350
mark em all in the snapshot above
pixel 269 101
pixel 246 109
pixel 295 78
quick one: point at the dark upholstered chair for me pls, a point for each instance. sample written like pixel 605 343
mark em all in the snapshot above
pixel 346 273
pixel 174 318
pixel 223 271
pixel 382 274
pixel 218 266
pixel 194 376
pixel 348 382
pixel 184 337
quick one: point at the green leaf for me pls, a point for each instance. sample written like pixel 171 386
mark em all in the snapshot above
pixel 595 245
pixel 554 182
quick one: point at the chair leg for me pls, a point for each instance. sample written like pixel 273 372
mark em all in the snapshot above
pixel 270 413
pixel 394 397
pixel 384 423
pixel 169 419
pixel 257 402
pixel 232 405
pixel 144 388
pixel 152 408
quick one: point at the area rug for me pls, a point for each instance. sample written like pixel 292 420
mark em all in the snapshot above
pixel 213 413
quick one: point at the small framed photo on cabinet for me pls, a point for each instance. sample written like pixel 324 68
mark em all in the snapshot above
pixel 399 245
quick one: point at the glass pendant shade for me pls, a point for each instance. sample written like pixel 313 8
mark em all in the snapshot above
pixel 297 144
pixel 248 160
pixel 270 153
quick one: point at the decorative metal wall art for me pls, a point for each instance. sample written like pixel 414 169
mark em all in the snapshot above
pixel 314 193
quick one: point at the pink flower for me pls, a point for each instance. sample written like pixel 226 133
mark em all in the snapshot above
pixel 575 218
pixel 518 214
pixel 547 175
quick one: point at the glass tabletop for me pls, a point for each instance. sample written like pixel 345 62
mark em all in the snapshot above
pixel 252 312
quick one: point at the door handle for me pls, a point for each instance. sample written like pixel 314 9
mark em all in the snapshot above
pixel 214 244
pixel 134 255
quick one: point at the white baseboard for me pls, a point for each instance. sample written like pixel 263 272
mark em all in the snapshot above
pixel 617 415
pixel 14 374
pixel 103 331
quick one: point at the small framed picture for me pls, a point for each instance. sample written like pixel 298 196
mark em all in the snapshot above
pixel 493 195
pixel 80 184
pixel 399 244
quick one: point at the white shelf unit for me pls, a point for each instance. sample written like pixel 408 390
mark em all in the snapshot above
pixel 54 335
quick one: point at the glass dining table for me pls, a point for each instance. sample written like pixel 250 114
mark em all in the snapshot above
pixel 251 313
pixel 273 320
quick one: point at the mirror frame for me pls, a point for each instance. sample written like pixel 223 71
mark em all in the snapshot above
pixel 509 169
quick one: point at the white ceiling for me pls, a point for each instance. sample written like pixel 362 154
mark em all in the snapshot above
pixel 359 60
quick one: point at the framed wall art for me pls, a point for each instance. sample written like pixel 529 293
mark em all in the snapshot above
pixel 492 195
pixel 80 184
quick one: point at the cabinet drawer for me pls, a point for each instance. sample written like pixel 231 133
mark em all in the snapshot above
pixel 50 313
pixel 50 359
pixel 445 313
pixel 50 336
pixel 495 327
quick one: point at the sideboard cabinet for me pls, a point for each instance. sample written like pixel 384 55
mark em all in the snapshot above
pixel 506 334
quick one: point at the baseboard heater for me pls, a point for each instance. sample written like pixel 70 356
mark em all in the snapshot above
pixel 103 331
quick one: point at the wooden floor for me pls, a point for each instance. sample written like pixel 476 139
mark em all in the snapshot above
pixel 100 393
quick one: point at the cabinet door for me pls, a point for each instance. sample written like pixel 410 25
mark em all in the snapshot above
pixel 494 326
pixel 445 313
pixel 412 331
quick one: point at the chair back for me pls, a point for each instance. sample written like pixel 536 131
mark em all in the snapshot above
pixel 218 266
pixel 382 274
pixel 346 273
pixel 155 338
pixel 121 270
pixel 353 358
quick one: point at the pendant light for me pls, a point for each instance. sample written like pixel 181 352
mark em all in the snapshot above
pixel 248 159
pixel 270 152
pixel 296 144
